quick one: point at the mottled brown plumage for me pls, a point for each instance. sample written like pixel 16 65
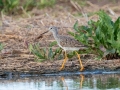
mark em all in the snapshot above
pixel 67 41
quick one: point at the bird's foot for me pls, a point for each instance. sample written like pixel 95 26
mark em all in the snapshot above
pixel 82 68
pixel 61 68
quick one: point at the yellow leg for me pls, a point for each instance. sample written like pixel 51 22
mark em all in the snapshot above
pixel 81 80
pixel 64 61
pixel 65 84
pixel 81 66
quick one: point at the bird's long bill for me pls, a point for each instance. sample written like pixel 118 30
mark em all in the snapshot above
pixel 41 35
pixel 45 32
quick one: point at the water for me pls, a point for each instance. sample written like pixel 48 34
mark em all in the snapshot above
pixel 85 81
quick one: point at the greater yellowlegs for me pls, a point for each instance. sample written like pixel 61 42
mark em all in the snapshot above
pixel 66 43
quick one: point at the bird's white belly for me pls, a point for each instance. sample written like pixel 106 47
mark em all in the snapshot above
pixel 70 48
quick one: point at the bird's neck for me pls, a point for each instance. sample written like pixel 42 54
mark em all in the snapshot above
pixel 55 34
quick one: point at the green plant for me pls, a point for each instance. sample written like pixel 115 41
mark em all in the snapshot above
pixel 82 3
pixel 29 4
pixel 46 3
pixel 14 6
pixel 104 34
pixel 1 46
pixel 45 53
pixel 9 5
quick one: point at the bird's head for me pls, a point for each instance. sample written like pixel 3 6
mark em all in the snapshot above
pixel 53 28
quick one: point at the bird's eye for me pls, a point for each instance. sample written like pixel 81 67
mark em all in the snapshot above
pixel 50 28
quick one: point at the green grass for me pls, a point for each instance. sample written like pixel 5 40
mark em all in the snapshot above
pixel 104 33
pixel 46 53
pixel 9 5
pixel 82 3
pixel 46 3
pixel 1 46
pixel 14 6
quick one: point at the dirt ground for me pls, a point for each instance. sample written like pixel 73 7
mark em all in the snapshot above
pixel 16 32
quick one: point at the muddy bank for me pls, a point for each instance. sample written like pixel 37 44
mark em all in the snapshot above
pixel 23 65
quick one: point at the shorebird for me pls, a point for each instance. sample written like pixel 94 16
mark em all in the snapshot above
pixel 67 43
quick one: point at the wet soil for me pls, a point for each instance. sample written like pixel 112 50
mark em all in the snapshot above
pixel 17 32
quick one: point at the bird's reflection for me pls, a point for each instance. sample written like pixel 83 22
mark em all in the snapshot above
pixel 81 81
pixel 64 83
